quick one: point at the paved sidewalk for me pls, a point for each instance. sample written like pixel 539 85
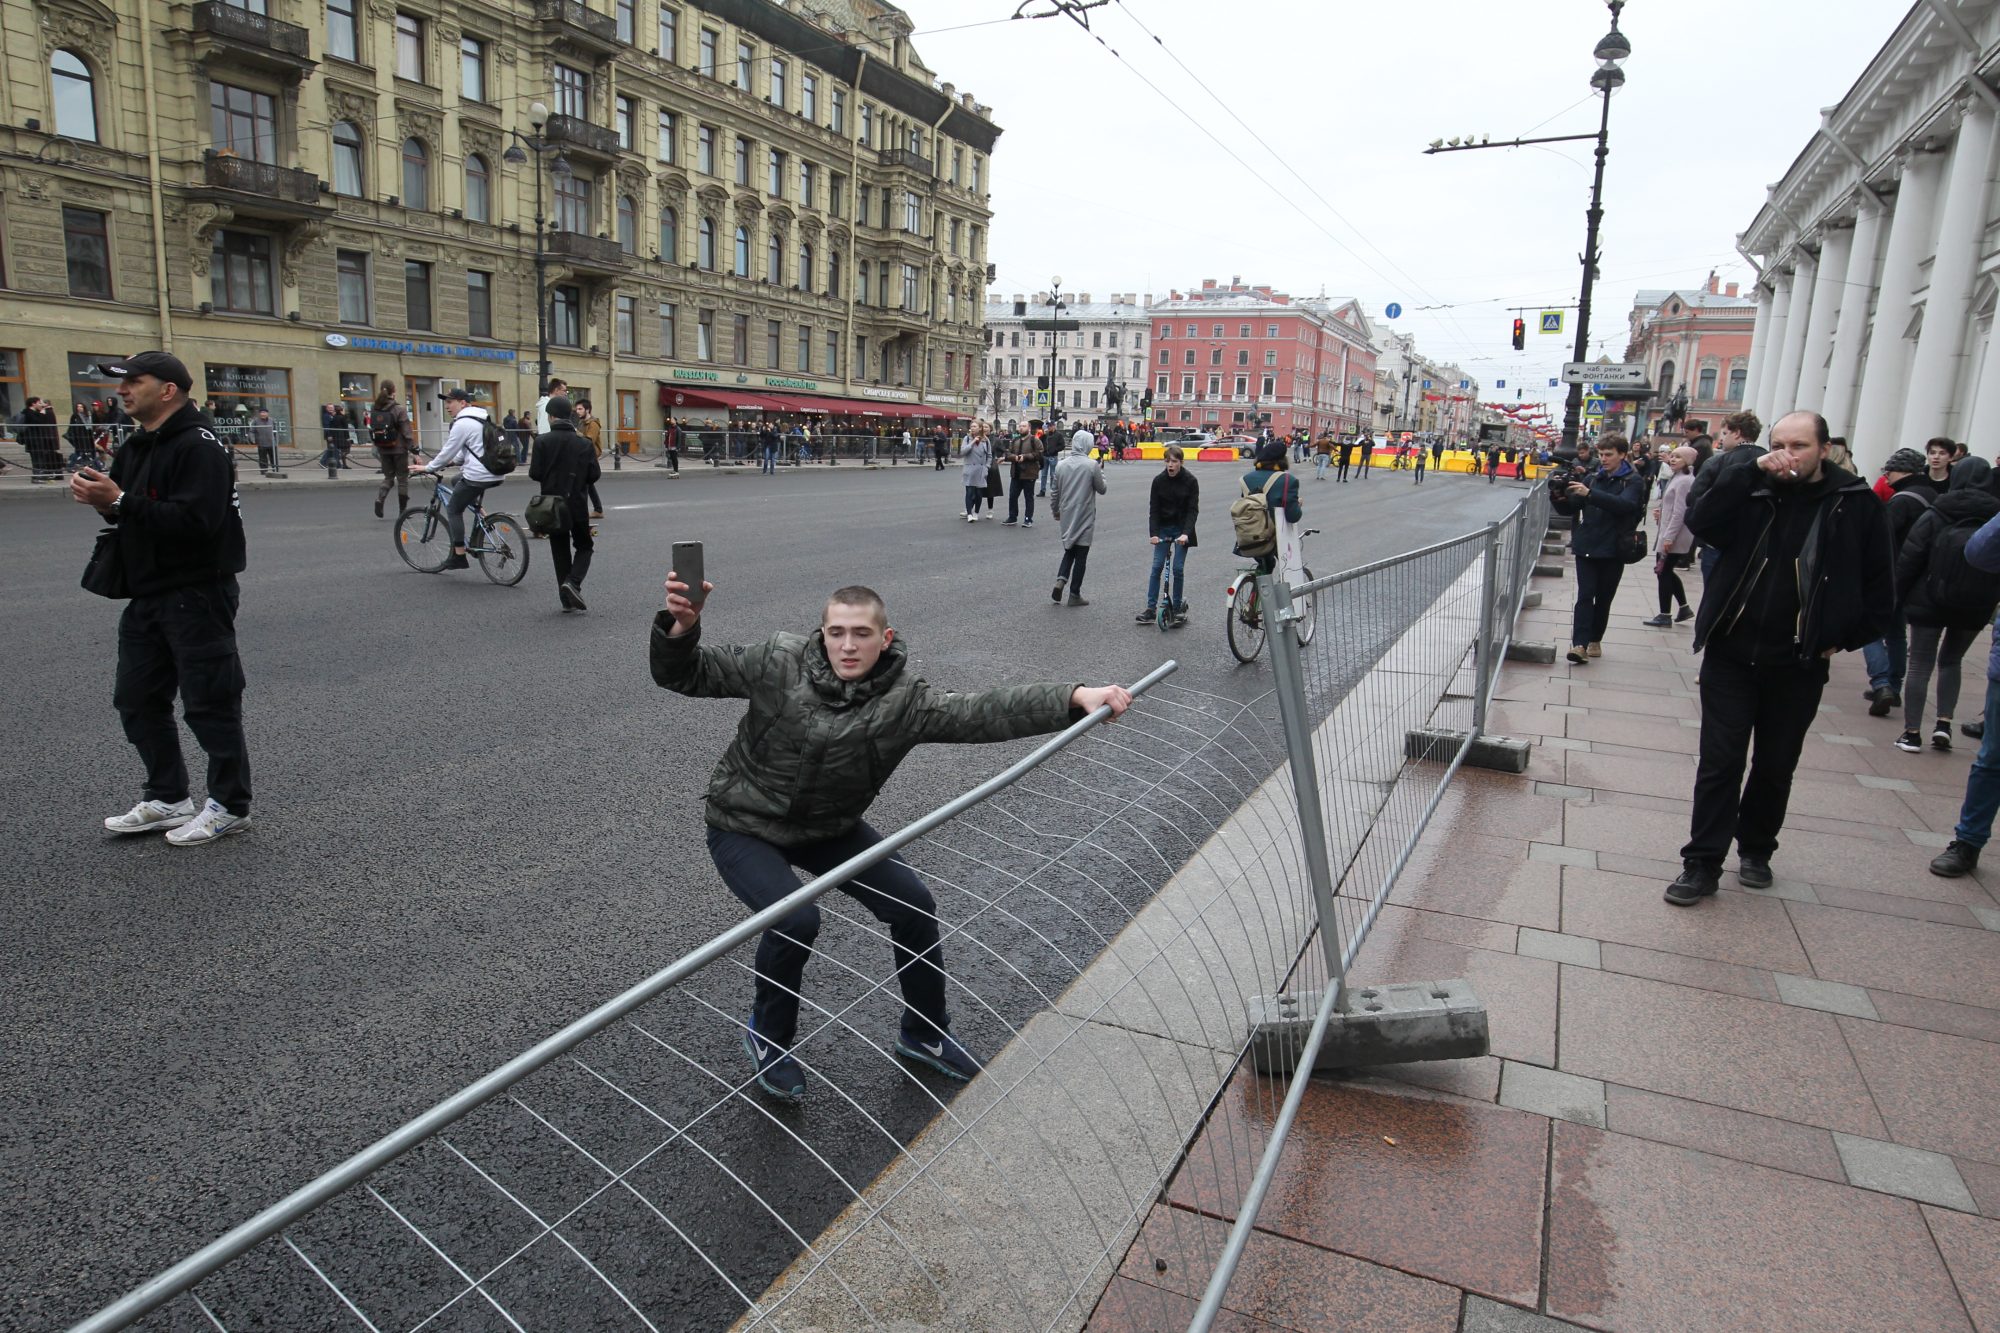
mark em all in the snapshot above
pixel 1773 1110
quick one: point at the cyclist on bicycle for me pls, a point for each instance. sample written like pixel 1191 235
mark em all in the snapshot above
pixel 462 446
pixel 1282 497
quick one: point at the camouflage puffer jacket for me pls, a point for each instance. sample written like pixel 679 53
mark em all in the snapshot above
pixel 813 750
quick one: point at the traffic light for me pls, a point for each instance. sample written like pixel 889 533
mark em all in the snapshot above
pixel 1520 334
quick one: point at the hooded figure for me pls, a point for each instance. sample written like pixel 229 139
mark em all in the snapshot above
pixel 1073 497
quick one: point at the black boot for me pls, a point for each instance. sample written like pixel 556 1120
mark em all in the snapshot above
pixel 1959 858
pixel 1697 881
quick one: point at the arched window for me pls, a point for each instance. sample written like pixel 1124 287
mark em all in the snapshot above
pixel 478 189
pixel 76 96
pixel 706 255
pixel 774 260
pixel 416 174
pixel 347 159
pixel 670 236
pixel 805 268
pixel 1666 381
pixel 742 269
pixel 628 224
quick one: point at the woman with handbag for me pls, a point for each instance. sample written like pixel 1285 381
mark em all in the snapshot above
pixel 1609 507
pixel 975 465
pixel 1675 550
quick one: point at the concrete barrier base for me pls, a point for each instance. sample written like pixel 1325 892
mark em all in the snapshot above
pixel 1372 1025
pixel 1548 571
pixel 1543 653
pixel 1503 754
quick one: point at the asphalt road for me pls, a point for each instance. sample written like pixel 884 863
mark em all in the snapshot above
pixel 477 818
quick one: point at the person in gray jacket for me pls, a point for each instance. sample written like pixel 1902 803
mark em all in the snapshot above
pixel 1073 501
pixel 977 458
pixel 1676 543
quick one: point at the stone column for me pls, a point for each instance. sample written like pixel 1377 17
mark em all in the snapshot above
pixel 1927 407
pixel 1774 344
pixel 1883 375
pixel 1827 298
pixel 1857 289
pixel 1986 404
pixel 1785 392
pixel 1760 348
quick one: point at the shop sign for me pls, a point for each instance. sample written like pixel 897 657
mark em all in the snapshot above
pixel 950 398
pixel 680 374
pixel 786 382
pixel 459 351
pixel 898 395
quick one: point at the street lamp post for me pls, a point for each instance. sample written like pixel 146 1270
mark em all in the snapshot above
pixel 1050 416
pixel 517 155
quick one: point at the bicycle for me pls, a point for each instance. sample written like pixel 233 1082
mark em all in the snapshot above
pixel 423 539
pixel 1243 622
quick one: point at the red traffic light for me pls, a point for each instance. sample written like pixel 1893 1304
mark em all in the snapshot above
pixel 1520 334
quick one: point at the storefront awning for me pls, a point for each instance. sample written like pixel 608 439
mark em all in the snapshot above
pixel 733 400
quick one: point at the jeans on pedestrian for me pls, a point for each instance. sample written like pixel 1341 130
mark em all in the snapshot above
pixel 396 473
pixel 1772 705
pixel 1888 660
pixel 1020 491
pixel 464 494
pixel 184 640
pixel 973 495
pixel 1982 784
pixel 1074 560
pixel 1709 557
pixel 1319 466
pixel 760 874
pixel 1170 548
pixel 770 461
pixel 1597 579
pixel 573 569
pixel 1933 645
pixel 1042 482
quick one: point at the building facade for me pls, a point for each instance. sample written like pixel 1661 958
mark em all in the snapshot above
pixel 1236 357
pixel 1416 394
pixel 1878 253
pixel 1693 342
pixel 305 199
pixel 1084 368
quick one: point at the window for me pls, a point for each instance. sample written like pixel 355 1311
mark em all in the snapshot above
pixel 704 335
pixel 739 339
pixel 1094 364
pixel 833 273
pixel 1242 386
pixel 239 272
pixel 478 189
pixel 670 236
pixel 861 284
pixel 778 89
pixel 832 362
pixel 704 158
pixel 740 263
pixel 566 316
pixel 626 320
pixel 1737 376
pixel 417 293
pixel 1270 330
pixel 912 214
pixel 628 224
pixel 1187 386
pixel 774 335
pixel 809 101
pixel 774 258
pixel 978 171
pixel 670 34
pixel 774 175
pixel 409 47
pixel 471 69
pixel 621 120
pixel 910 287
pixel 1242 356
pixel 861 207
pixel 87 247
pixel 347 159
pixel 1215 357
pixel 416 174
pixel 837 122
pixel 627 14
pixel 885 210
pixel 742 160
pixel 805 268
pixel 954 235
pixel 351 273
pixel 572 93
pixel 808 180
pixel 1192 332
pixel 1161 386
pixel 572 212
pixel 478 303
pixel 244 122
pixel 867 125
pixel 957 163
pixel 705 245
pixel 1271 358
pixel 805 349
pixel 836 194
pixel 1705 385
pixel 743 66
pixel 670 340
pixel 1188 356
pixel 75 96
pixel 1243 330
pixel 668 132
pixel 240 392
pixel 342 32
pixel 708 42
pixel 1270 385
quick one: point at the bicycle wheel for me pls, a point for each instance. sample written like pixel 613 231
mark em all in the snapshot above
pixel 503 550
pixel 1308 610
pixel 423 539
pixel 1245 625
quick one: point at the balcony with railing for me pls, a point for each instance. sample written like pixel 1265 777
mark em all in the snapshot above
pixel 907 160
pixel 586 254
pixel 579 25
pixel 573 132
pixel 263 189
pixel 250 39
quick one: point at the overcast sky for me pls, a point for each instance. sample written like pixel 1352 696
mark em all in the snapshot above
pixel 1103 181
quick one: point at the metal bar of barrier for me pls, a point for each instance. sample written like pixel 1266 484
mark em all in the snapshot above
pixel 172 1281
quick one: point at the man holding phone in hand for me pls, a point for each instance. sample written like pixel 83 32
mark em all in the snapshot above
pixel 831 715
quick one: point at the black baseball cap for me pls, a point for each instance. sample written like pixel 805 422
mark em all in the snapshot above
pixel 454 392
pixel 162 366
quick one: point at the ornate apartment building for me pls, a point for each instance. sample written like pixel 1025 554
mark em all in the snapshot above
pixel 1106 353
pixel 746 201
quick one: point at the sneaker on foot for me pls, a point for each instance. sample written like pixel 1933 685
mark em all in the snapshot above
pixel 1595 650
pixel 1685 613
pixel 1910 743
pixel 1879 702
pixel 939 1050
pixel 1145 617
pixel 1008 523
pixel 210 824
pixel 778 1074
pixel 571 599
pixel 1941 734
pixel 1075 600
pixel 1027 522
pixel 1754 872
pixel 458 562
pixel 1055 593
pixel 1661 621
pixel 1697 881
pixel 152 817
pixel 1576 654
pixel 1958 858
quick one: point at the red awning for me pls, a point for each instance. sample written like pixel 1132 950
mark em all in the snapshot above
pixel 734 400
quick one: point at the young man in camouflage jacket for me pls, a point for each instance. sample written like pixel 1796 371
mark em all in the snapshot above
pixel 831 715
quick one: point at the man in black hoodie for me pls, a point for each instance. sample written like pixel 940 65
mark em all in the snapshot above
pixel 1802 573
pixel 567 466
pixel 1171 511
pixel 171 497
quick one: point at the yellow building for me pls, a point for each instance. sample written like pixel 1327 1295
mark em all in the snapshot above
pixel 302 200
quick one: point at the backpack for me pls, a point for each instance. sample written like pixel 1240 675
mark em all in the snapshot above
pixel 546 514
pixel 386 431
pixel 1951 584
pixel 1256 529
pixel 496 451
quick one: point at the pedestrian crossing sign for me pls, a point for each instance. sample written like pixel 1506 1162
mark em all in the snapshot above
pixel 1593 407
pixel 1041 398
pixel 1552 321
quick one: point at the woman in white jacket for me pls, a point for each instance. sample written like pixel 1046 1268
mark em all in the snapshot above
pixel 975 459
pixel 1676 546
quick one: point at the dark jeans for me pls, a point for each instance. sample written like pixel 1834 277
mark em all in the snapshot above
pixel 1340 469
pixel 596 505
pixel 1020 491
pixel 395 472
pixel 573 569
pixel 1888 660
pixel 1074 560
pixel 1772 705
pixel 184 641
pixel 761 874
pixel 267 458
pixel 1170 548
pixel 1982 784
pixel 1709 556
pixel 673 460
pixel 973 495
pixel 464 494
pixel 1596 583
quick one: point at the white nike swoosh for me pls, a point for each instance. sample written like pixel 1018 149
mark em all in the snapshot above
pixel 931 1050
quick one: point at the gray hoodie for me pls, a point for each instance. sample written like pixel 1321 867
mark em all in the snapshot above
pixel 1073 494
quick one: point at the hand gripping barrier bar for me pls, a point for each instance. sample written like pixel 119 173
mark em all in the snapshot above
pixel 272 1221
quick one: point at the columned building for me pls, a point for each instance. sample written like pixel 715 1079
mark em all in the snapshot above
pixel 1083 368
pixel 1694 342
pixel 747 203
pixel 1878 253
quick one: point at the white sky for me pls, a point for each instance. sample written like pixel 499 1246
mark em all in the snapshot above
pixel 1103 181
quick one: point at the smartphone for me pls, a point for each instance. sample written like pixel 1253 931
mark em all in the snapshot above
pixel 688 569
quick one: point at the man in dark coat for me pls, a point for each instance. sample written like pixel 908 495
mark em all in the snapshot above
pixel 567 466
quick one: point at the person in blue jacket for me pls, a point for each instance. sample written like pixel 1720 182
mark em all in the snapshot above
pixel 1608 507
pixel 1281 493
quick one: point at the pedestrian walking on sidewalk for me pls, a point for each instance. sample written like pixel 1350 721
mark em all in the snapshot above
pixel 567 467
pixel 1051 444
pixel 1982 785
pixel 395 441
pixel 592 430
pixel 1735 446
pixel 1171 511
pixel 975 461
pixel 1803 573
pixel 1024 462
pixel 1906 500
pixel 830 716
pixel 1674 550
pixel 1608 509
pixel 1946 601
pixel 1073 503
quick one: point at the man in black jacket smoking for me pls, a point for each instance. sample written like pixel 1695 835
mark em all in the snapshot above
pixel 171 496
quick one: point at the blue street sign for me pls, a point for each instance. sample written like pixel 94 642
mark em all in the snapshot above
pixel 1392 311
pixel 1465 384
pixel 1555 384
pixel 1499 384
pixel 1427 384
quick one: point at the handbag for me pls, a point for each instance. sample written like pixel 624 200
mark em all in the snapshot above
pixel 547 514
pixel 1632 547
pixel 993 487
pixel 105 574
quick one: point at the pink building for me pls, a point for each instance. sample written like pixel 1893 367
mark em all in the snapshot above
pixel 1225 356
pixel 1698 341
